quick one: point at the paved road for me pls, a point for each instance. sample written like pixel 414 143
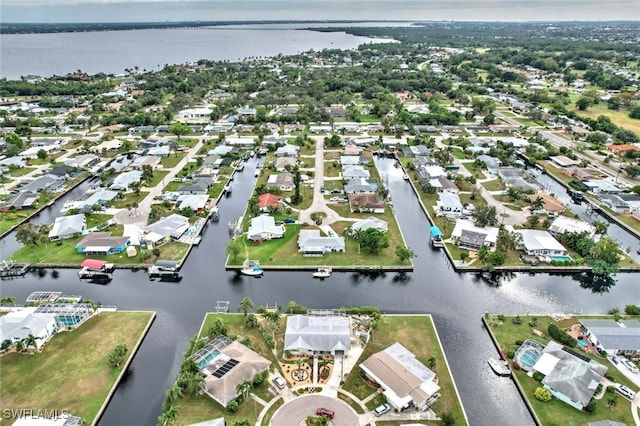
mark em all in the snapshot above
pixel 295 411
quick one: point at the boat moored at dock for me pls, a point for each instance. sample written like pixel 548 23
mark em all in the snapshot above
pixel 499 367
pixel 437 239
pixel 324 272
pixel 251 268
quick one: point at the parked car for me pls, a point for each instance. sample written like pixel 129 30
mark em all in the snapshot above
pixel 631 366
pixel 289 220
pixel 382 409
pixel 279 382
pixel 625 391
pixel 325 412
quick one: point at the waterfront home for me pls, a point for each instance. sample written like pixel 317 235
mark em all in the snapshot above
pixel 20 201
pixel 633 200
pixel 550 205
pixel 492 163
pixel 365 203
pixel 263 228
pixel 287 150
pixel 570 378
pixel 350 160
pixel 101 198
pixel 273 140
pixel 509 172
pixel 442 184
pixel 317 334
pixel 212 162
pixel 167 228
pixel 102 243
pixel 18 324
pixel 360 186
pixel 268 200
pixel 199 185
pixel 404 380
pixel 351 150
pixel 419 151
pixel 448 205
pixel 355 172
pixel 311 243
pixel 603 186
pixel 145 160
pixel 563 224
pixel 471 237
pixel 615 203
pixel 244 142
pixel 225 364
pixel 281 163
pixel 62 172
pixel 66 227
pixel 158 151
pixel 124 180
pixel 197 202
pixel 431 172
pixel 284 181
pixel 368 223
pixel 47 182
pixel 85 161
pixel 563 161
pixel 540 243
pixel 614 337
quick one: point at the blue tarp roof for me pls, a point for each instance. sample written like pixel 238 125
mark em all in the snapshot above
pixel 435 231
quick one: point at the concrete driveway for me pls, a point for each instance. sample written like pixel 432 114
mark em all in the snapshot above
pixel 295 411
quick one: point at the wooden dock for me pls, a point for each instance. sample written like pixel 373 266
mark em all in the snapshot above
pixel 10 270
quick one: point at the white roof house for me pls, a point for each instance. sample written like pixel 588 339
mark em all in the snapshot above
pixel 404 379
pixel 473 237
pixel 355 172
pixel 172 226
pixel 540 243
pixel 613 336
pixel 449 203
pixel 310 242
pixel 564 224
pixel 287 150
pixel 20 323
pixel 370 222
pixel 317 334
pixel 434 172
pixel 264 227
pixel 124 180
pixel 197 202
pixel 67 226
pixel 195 114
pixel 569 378
pixel 350 160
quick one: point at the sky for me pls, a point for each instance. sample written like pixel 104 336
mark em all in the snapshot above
pixel 237 10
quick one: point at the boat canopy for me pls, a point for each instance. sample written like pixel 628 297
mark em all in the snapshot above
pixel 93 264
pixel 435 232
pixel 167 264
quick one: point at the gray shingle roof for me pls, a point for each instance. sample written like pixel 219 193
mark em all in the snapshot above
pixel 317 333
pixel 612 335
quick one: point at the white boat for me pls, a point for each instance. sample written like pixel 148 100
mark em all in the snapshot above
pixel 240 167
pixel 499 367
pixel 322 273
pixel 227 188
pixel 251 268
pixel 405 176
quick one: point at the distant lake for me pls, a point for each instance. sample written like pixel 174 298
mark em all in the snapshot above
pixel 112 52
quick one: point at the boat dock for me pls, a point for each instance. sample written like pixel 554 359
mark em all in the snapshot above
pixel 165 270
pixel 10 270
pixel 96 271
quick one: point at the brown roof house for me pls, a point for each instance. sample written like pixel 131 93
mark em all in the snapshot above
pixel 102 243
pixel 226 364
pixel 366 203
pixel 403 378
pixel 550 205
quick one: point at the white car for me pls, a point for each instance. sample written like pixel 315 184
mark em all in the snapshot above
pixel 279 382
pixel 631 366
pixel 380 410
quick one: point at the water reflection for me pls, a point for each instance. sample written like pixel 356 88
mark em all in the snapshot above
pixel 596 283
pixel 494 278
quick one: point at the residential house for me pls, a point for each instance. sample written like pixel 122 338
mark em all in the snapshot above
pixel 195 114
pixel 563 224
pixel 360 186
pixel 273 140
pixel 471 237
pixel 418 109
pixel 284 181
pixel 62 171
pixel 569 377
pixel 102 198
pixel 603 186
pixel 243 142
pixel 146 160
pixel 66 227
pixel 85 161
pixel 317 334
pixel 281 163
pixel 268 200
pixel 285 111
pixel 540 243
pixel 246 111
pixel 404 380
pixel 622 149
pixel 287 150
pixel 263 228
pixel 615 203
pixel 351 150
pixel 197 202
pixel 448 205
pixel 20 323
pixel 311 243
pixel 355 172
pixel 550 205
pixel 212 162
pixel 47 182
pixel 123 181
pixel 102 243
pixel 492 163
pixel 563 161
pixel 346 126
pixel 167 228
pixel 509 172
pixel 366 203
pixel 368 223
pixel 349 160
pixel 633 200
pixel 521 184
pixel 42 142
pixel 335 111
pixel 199 185
pixel 420 150
pixel 614 337
pixel 158 151
pixel 226 364
pixel 442 184
pixel 321 128
pixel 20 201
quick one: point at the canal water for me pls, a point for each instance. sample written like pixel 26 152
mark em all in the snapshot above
pixel 456 301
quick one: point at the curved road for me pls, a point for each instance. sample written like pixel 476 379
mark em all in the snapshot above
pixel 295 411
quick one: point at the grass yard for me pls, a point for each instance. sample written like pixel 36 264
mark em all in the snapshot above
pixel 157 178
pixel 73 371
pixel 619 118
pixel 129 199
pixel 20 171
pixel 332 169
pixel 493 185
pixel 11 218
pixel 171 161
pixel 507 333
pixel 418 335
pixel 203 408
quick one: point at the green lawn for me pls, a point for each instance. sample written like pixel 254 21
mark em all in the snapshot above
pixel 619 118
pixel 20 171
pixel 129 199
pixel 493 185
pixel 171 161
pixel 508 333
pixel 418 335
pixel 157 178
pixel 73 371
pixel 203 408
pixel 11 218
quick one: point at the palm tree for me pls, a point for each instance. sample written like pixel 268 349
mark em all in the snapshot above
pixel 537 204
pixel 246 305
pixel 357 235
pixel 169 416
pixel 612 401
pixel 324 363
pixel 173 394
pixel 243 389
pixel 191 383
pixel 30 342
pixel 251 320
pixel 8 300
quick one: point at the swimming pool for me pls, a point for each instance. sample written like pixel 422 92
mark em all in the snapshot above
pixel 561 258
pixel 529 358
pixel 582 343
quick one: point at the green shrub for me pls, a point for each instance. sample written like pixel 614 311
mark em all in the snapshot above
pixel 542 394
pixel 562 337
pixel 632 310
pixel 538 377
pixel 591 406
